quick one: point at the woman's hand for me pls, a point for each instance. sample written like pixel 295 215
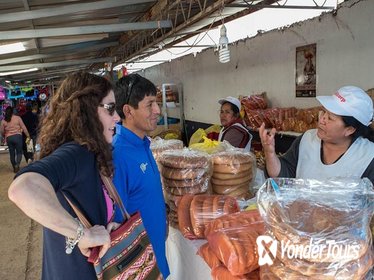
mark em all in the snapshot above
pixel 93 237
pixel 267 139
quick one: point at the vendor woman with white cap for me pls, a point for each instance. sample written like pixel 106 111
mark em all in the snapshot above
pixel 233 130
pixel 342 145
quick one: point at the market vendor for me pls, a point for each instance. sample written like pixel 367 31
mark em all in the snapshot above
pixel 233 130
pixel 341 145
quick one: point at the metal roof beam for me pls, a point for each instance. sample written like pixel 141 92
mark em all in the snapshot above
pixel 67 51
pixel 54 64
pixel 281 7
pixel 79 30
pixel 68 9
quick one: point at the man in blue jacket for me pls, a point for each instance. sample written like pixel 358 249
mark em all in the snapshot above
pixel 136 175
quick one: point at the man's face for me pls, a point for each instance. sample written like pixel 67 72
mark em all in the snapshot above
pixel 144 118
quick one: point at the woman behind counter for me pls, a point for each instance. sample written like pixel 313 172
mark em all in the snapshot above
pixel 233 130
pixel 342 145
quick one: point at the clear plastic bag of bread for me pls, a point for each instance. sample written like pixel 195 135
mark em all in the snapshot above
pixel 247 218
pixel 321 227
pixel 234 171
pixel 222 273
pixel 196 211
pixel 236 248
pixel 158 145
pixel 186 169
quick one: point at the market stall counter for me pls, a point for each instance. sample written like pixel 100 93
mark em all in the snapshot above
pixel 183 261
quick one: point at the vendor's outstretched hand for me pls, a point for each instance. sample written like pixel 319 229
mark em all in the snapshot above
pixel 267 138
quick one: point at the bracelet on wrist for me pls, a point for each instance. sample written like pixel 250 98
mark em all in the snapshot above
pixel 71 242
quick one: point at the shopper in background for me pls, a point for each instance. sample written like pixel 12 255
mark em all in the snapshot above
pixel 30 119
pixel 233 130
pixel 342 144
pixel 75 139
pixel 11 128
pixel 136 175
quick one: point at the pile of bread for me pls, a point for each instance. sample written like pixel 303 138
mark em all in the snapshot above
pixel 183 172
pixel 159 145
pixel 317 238
pixel 231 251
pixel 196 211
pixel 256 112
pixel 233 173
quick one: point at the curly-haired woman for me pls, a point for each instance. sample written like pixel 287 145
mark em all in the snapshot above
pixel 75 139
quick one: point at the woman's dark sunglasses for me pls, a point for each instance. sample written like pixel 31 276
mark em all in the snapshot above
pixel 110 107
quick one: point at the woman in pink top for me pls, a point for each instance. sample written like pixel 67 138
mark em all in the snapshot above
pixel 11 128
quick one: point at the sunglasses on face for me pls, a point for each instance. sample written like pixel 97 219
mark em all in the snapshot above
pixel 110 107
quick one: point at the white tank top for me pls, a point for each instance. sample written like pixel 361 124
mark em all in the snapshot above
pixel 353 163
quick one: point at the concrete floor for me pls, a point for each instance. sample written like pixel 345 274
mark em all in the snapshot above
pixel 20 238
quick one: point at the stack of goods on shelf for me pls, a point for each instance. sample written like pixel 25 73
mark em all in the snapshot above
pixel 171 96
pixel 183 172
pixel 283 119
pixel 231 251
pixel 196 211
pixel 233 173
pixel 321 228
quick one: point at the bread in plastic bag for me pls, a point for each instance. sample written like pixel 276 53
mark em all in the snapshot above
pixel 222 273
pixel 236 248
pixel 158 145
pixel 209 257
pixel 249 218
pixel 321 227
pixel 233 173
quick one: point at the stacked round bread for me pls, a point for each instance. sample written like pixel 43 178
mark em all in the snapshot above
pixel 233 173
pixel 159 145
pixel 183 172
pixel 332 243
pixel 195 212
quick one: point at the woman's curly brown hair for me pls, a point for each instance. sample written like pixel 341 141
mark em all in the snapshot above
pixel 72 116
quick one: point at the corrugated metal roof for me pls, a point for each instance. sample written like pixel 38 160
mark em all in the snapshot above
pixel 64 36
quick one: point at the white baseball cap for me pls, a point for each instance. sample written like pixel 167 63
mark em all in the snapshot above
pixel 232 100
pixel 350 101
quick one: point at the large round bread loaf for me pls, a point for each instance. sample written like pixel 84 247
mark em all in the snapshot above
pixel 160 145
pixel 196 211
pixel 185 159
pixel 234 157
pixel 183 191
pixel 355 269
pixel 229 176
pixel 187 183
pixel 300 221
pixel 231 182
pixel 183 174
pixel 221 189
pixel 184 218
pixel 232 168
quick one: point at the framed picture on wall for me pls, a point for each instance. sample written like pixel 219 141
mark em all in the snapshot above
pixel 306 70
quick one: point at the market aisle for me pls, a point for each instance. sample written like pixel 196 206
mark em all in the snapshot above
pixel 20 238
